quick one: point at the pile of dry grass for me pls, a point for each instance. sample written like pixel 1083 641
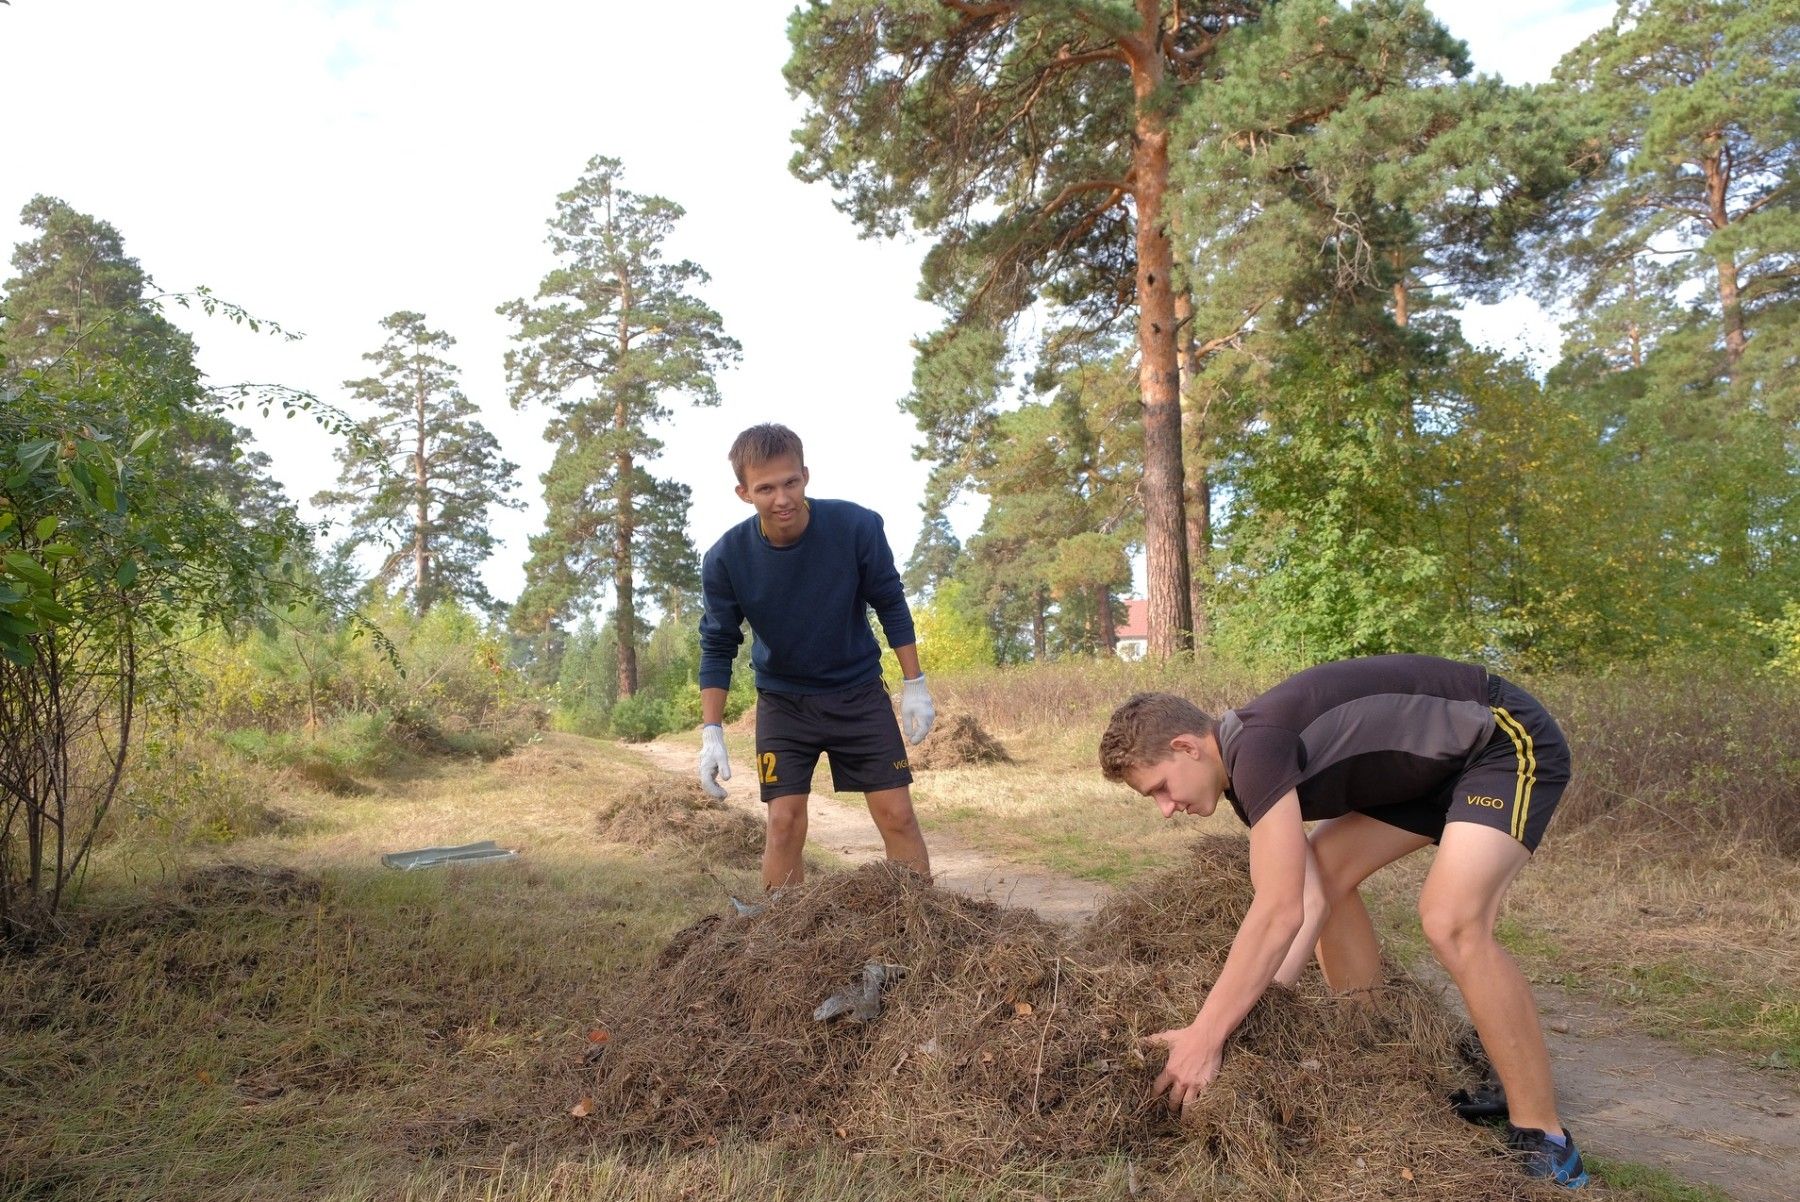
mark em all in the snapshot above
pixel 957 740
pixel 1010 1043
pixel 544 758
pixel 662 808
pixel 247 886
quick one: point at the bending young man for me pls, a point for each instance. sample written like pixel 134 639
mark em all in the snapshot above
pixel 1388 755
pixel 805 574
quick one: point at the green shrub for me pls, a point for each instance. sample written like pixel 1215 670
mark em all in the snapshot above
pixel 184 786
pixel 641 718
pixel 1784 633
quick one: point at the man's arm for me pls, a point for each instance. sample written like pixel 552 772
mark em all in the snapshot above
pixel 712 707
pixel 909 661
pixel 1278 853
pixel 880 585
pixel 721 631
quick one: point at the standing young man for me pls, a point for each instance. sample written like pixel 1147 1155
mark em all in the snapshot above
pixel 805 573
pixel 1388 755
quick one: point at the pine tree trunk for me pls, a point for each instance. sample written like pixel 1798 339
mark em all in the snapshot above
pixel 624 587
pixel 1165 536
pixel 1731 305
pixel 1040 640
pixel 1109 634
pixel 624 606
pixel 421 505
pixel 1196 492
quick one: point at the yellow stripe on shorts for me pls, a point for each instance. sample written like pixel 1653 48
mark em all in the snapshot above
pixel 1527 753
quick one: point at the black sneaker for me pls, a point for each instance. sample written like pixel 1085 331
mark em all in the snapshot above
pixel 1483 1102
pixel 1540 1156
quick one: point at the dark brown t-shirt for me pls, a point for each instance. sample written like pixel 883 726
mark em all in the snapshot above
pixel 1355 734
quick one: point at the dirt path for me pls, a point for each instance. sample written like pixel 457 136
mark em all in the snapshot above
pixel 1628 1097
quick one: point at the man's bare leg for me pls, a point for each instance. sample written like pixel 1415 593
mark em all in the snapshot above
pixel 1348 850
pixel 1459 907
pixel 784 842
pixel 892 810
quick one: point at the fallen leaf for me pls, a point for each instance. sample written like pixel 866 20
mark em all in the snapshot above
pixel 1406 1174
pixel 582 1108
pixel 1311 1066
pixel 842 1134
pixel 205 1077
pixel 1021 1009
pixel 987 1057
pixel 598 1035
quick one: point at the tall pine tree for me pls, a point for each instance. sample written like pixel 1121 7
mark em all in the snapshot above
pixel 615 330
pixel 1693 109
pixel 1033 140
pixel 421 481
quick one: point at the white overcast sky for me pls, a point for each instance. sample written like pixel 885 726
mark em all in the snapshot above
pixel 327 162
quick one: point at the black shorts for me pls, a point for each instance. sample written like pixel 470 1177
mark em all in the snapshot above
pixel 1512 784
pixel 856 728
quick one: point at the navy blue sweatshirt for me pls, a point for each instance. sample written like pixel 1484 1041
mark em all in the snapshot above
pixel 807 602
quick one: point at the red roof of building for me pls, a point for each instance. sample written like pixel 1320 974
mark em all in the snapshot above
pixel 1137 621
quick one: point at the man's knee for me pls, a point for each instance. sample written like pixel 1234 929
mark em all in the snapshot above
pixel 1455 932
pixel 787 823
pixel 893 812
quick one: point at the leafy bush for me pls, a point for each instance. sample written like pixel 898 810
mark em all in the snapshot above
pixel 668 696
pixel 183 786
pixel 953 635
pixel 1784 632
pixel 641 718
pixel 305 672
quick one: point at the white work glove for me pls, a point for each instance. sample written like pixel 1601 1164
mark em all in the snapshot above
pixel 916 710
pixel 715 765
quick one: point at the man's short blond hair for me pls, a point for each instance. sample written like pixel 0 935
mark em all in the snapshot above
pixel 760 444
pixel 1141 730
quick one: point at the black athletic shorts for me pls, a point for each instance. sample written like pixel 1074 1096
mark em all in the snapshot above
pixel 856 728
pixel 1512 784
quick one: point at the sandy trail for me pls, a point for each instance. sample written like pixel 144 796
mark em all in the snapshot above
pixel 1627 1096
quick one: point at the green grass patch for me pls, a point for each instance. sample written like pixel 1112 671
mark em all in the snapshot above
pixel 1522 940
pixel 1650 1184
pixel 1080 856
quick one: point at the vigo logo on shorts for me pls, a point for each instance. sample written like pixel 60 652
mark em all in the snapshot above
pixel 1492 803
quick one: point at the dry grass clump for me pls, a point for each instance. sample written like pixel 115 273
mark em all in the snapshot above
pixel 246 886
pixel 956 741
pixel 544 758
pixel 720 1032
pixel 1010 1044
pixel 662 808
